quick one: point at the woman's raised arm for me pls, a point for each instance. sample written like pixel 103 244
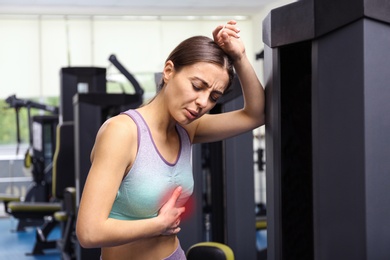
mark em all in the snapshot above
pixel 220 126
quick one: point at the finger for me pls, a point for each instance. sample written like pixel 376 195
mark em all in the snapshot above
pixel 176 230
pixel 171 231
pixel 225 36
pixel 217 30
pixel 231 29
pixel 177 223
pixel 175 195
pixel 232 22
pixel 229 25
pixel 181 210
pixel 223 39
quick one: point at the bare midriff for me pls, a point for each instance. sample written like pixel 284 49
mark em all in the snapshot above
pixel 146 249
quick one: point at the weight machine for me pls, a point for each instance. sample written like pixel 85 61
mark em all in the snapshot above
pixel 42 136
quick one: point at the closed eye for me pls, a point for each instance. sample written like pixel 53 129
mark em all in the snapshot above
pixel 214 97
pixel 196 87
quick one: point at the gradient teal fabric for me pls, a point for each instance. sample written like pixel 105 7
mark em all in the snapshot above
pixel 151 180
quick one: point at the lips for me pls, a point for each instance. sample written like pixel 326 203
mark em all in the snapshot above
pixel 191 114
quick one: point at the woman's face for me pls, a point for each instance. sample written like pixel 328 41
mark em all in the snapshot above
pixel 194 90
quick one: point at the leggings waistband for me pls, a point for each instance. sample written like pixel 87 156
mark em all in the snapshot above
pixel 178 254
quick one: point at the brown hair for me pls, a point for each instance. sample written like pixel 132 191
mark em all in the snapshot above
pixel 199 49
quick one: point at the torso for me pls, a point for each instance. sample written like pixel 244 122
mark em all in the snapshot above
pixel 162 246
pixel 141 188
pixel 152 179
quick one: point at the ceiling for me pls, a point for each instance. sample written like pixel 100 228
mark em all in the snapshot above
pixel 134 7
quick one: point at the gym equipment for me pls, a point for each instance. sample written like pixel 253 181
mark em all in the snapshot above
pixel 138 90
pixel 63 177
pixel 327 90
pixel 66 244
pixel 39 155
pixel 79 80
pixel 7 198
pixel 42 144
pixel 90 110
pixel 210 251
pixel 17 104
pixel 84 80
pixel 261 224
pixel 43 147
pixel 64 164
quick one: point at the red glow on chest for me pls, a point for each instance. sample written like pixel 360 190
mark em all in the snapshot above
pixel 190 208
pixel 189 205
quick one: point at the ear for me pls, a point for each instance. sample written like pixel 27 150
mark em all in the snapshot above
pixel 168 71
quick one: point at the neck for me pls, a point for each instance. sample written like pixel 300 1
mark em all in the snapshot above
pixel 157 115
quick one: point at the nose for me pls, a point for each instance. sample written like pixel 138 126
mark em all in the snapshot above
pixel 201 100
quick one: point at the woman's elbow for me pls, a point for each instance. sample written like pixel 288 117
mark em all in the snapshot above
pixel 255 117
pixel 257 120
pixel 86 237
pixel 260 120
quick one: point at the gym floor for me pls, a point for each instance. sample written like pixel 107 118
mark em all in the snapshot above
pixel 16 245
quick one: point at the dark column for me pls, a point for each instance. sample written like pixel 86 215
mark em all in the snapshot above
pixel 79 80
pixel 240 196
pixel 90 112
pixel 327 83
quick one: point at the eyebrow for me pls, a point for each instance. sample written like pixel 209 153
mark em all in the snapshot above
pixel 207 85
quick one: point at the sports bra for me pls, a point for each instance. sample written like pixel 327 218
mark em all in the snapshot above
pixel 151 180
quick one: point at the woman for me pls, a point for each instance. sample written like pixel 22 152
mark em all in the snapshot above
pixel 141 173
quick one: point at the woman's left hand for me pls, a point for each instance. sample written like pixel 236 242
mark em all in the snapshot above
pixel 170 214
pixel 228 38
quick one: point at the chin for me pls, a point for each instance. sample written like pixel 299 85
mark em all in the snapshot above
pixel 186 121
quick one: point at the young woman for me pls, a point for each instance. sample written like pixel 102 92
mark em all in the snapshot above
pixel 141 173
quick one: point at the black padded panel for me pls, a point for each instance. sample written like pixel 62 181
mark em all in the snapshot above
pixel 307 19
pixel 206 252
pixel 64 163
pixel 93 77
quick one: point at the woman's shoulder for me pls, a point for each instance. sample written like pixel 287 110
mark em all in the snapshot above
pixel 116 136
pixel 120 126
